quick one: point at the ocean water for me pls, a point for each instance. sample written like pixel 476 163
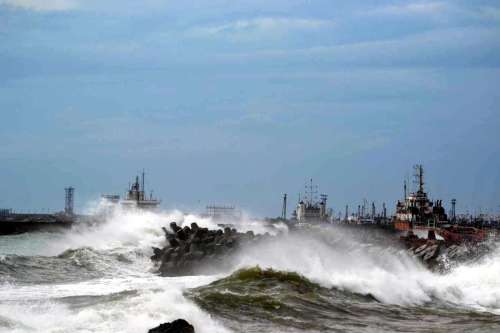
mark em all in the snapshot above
pixel 100 279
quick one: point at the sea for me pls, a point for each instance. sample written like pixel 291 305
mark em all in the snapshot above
pixel 99 278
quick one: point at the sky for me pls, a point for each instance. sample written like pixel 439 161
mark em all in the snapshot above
pixel 237 102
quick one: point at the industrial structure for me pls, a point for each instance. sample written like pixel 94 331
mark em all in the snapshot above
pixel 69 200
pixel 453 210
pixel 366 214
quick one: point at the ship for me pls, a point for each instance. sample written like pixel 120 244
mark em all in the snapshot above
pixel 309 210
pixel 417 211
pixel 135 197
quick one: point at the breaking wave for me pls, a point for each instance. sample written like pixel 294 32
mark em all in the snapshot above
pixel 365 263
pixel 256 300
pixel 99 278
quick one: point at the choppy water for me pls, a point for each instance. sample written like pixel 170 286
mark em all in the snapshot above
pixel 100 279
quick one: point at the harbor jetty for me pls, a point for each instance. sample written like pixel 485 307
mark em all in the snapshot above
pixel 16 223
pixel 195 250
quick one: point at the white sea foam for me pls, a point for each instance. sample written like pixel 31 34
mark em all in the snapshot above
pixel 333 258
pixel 46 308
pixel 141 229
pixel 124 235
pixel 389 274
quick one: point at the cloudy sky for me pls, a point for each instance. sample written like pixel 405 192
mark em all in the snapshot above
pixel 236 102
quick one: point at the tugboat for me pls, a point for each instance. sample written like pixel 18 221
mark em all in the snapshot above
pixel 417 211
pixel 135 197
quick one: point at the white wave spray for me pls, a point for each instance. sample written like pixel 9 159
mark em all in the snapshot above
pixel 134 299
pixel 129 297
pixel 337 258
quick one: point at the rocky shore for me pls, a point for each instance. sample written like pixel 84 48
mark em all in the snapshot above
pixel 195 250
pixel 439 255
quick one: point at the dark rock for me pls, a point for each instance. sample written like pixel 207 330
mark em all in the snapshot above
pixel 174 227
pixel 181 234
pixel 209 239
pixel 167 254
pixel 440 255
pixel 172 240
pixel 200 233
pixel 177 326
pixel 198 250
pixel 157 254
pixel 431 253
pixel 197 255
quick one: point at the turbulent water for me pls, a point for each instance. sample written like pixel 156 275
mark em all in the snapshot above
pixel 100 279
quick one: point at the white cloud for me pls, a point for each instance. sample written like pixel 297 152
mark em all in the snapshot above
pixel 42 5
pixel 258 25
pixel 416 8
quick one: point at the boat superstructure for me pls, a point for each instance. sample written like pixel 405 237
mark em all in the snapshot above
pixel 417 210
pixel 135 196
pixel 310 210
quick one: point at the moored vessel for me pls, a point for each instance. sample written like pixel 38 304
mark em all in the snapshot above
pixel 417 211
pixel 135 197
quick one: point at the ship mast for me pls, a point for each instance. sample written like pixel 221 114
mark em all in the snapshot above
pixel 143 174
pixel 419 177
pixel 311 190
pixel 405 191
pixel 283 211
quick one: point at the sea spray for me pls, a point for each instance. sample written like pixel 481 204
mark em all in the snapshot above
pixel 343 259
pixel 364 281
pixel 132 304
pixel 95 278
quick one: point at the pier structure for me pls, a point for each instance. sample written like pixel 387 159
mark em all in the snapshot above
pixel 14 223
